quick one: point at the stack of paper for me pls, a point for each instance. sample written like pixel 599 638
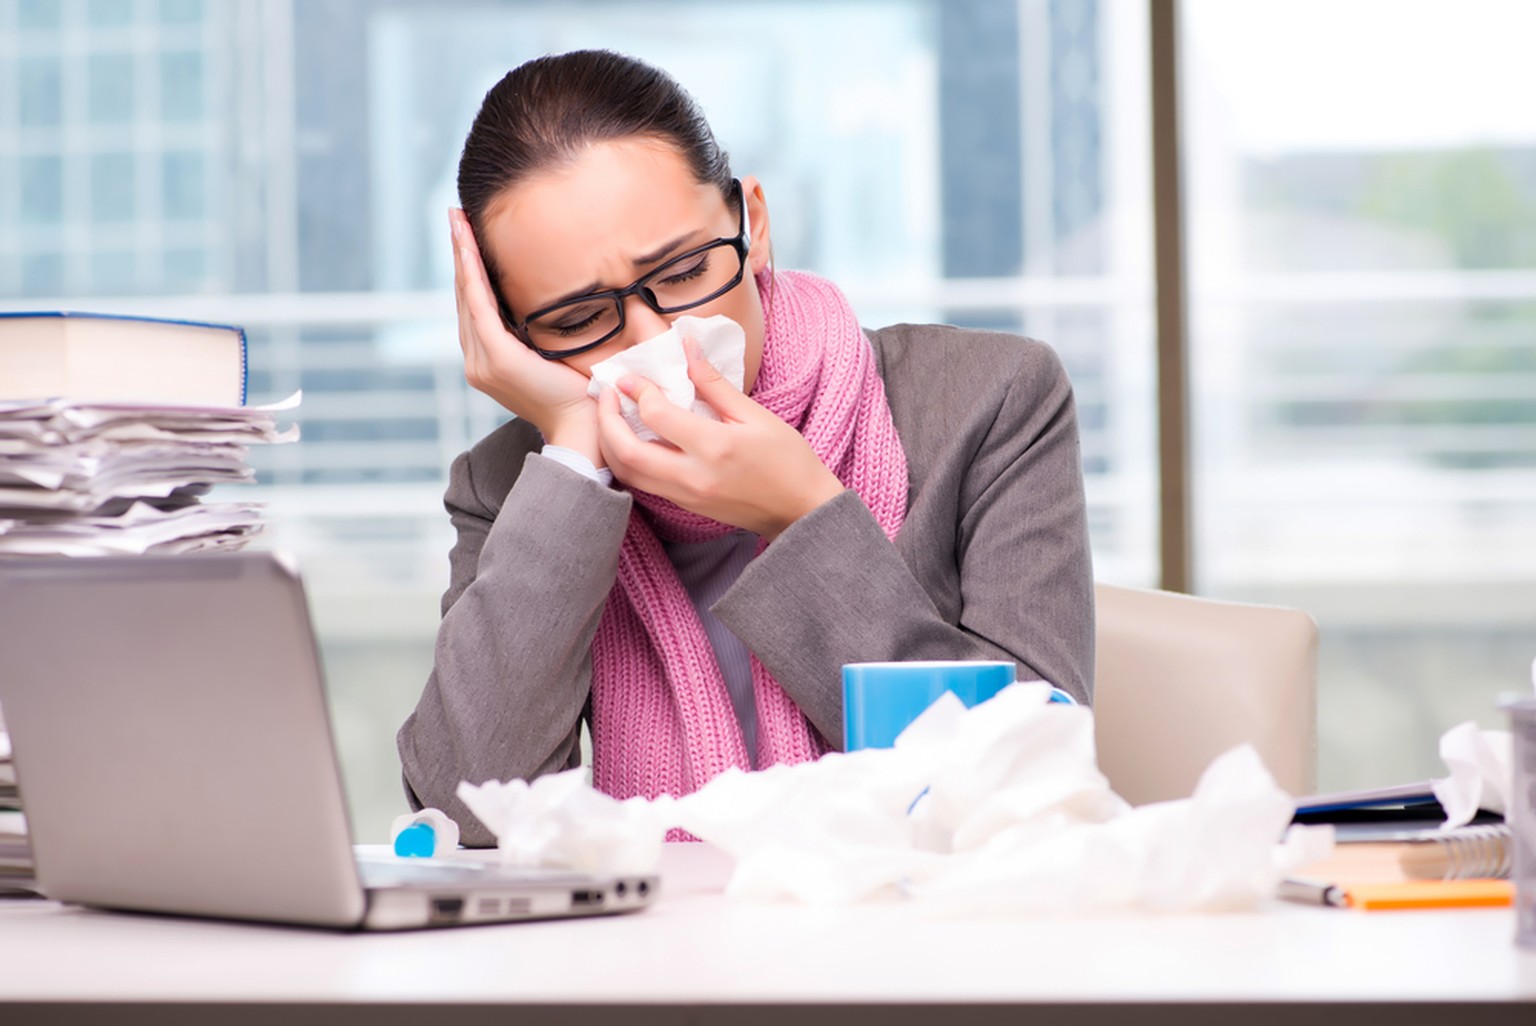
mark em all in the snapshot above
pixel 16 873
pixel 83 479
pixel 15 855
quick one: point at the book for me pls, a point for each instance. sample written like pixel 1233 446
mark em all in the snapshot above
pixel 88 357
pixel 1481 851
pixel 1322 807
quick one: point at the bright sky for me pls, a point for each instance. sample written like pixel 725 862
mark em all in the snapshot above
pixel 1367 74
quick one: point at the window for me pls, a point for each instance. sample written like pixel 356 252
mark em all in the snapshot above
pixel 1363 258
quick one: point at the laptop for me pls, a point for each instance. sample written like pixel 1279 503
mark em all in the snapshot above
pixel 174 754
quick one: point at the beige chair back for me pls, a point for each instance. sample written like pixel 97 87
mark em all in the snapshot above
pixel 1180 680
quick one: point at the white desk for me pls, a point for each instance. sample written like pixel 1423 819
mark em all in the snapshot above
pixel 699 957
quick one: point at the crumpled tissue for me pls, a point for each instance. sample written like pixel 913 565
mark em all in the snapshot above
pixel 662 361
pixel 1482 771
pixel 999 808
pixel 560 821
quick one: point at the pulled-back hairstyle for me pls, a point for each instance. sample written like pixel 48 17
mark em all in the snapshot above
pixel 545 112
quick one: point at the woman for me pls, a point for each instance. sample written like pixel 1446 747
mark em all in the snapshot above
pixel 909 493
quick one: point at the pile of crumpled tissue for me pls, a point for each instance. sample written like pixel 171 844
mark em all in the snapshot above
pixel 1000 808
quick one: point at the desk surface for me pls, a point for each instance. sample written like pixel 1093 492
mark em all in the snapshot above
pixel 696 951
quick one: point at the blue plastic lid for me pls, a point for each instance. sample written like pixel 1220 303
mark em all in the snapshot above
pixel 418 840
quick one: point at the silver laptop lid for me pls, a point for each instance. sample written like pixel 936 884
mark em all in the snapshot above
pixel 171 737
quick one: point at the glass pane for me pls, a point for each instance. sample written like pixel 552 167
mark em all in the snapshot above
pixel 42 274
pixel 42 190
pixel 113 272
pixel 185 270
pixel 112 187
pixel 41 90
pixel 111 92
pixel 106 13
pixel 181 86
pixel 181 12
pixel 37 14
pixel 1363 252
pixel 182 185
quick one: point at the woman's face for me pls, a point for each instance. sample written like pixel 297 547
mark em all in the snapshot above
pixel 618 211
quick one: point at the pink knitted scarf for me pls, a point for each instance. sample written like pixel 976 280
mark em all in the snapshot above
pixel 662 720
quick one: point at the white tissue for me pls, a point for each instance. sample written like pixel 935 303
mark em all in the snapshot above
pixel 662 361
pixel 996 809
pixel 1017 818
pixel 560 821
pixel 1482 766
pixel 1482 772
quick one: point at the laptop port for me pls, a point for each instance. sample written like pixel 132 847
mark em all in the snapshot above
pixel 580 899
pixel 447 910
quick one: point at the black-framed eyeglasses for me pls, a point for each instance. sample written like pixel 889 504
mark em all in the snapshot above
pixel 690 279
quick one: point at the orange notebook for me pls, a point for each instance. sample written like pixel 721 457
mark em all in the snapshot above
pixel 1431 894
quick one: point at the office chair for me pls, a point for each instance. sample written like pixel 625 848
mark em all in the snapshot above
pixel 1180 680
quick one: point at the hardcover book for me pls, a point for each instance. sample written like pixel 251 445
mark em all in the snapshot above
pixel 105 358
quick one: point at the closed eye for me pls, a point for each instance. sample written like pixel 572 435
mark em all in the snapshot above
pixel 687 274
pixel 567 330
pixel 574 323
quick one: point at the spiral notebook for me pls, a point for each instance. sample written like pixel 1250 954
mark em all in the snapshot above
pixel 1471 852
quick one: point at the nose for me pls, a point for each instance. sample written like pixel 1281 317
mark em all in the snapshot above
pixel 641 322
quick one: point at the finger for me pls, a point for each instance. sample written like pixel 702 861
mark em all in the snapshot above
pixel 458 264
pixel 478 298
pixel 458 279
pixel 722 396
pixel 460 271
pixel 676 425
pixel 636 462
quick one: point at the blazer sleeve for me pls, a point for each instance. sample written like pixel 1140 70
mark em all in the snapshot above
pixel 992 561
pixel 530 572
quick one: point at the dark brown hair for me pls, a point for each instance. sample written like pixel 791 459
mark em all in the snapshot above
pixel 543 113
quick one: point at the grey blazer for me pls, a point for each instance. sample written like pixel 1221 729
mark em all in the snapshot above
pixel 992 562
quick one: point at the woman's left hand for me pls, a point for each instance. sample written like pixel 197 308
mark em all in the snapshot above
pixel 749 469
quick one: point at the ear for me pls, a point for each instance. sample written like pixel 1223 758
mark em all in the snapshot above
pixel 761 252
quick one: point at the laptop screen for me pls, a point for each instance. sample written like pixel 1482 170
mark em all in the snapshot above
pixel 172 738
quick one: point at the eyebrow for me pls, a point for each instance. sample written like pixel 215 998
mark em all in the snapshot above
pixel 657 255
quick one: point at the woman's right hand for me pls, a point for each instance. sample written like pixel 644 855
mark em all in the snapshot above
pixel 548 394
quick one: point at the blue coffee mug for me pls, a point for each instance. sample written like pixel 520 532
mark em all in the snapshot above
pixel 881 699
